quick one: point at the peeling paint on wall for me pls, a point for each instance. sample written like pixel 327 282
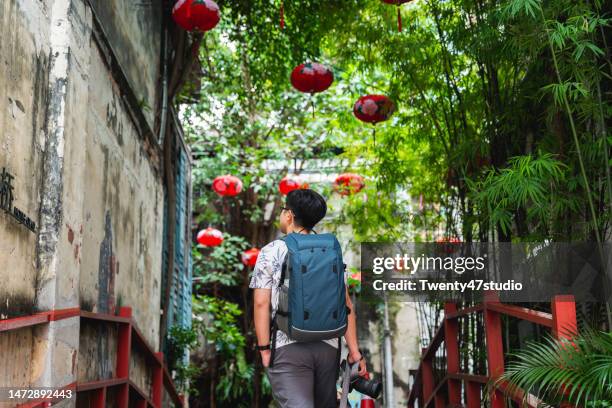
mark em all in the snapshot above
pixel 106 275
pixel 13 305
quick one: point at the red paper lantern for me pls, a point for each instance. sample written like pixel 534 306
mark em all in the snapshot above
pixel 288 184
pixel 451 240
pixel 399 14
pixel 349 183
pixel 210 237
pixel 229 186
pixel 198 15
pixel 448 245
pixel 249 257
pixel 311 77
pixel 180 14
pixel 373 108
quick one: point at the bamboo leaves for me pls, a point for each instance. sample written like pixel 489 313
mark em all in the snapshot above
pixel 527 182
pixel 528 7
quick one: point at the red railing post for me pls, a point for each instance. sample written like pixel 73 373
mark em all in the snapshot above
pixel 158 380
pixel 495 347
pixel 427 376
pixel 452 353
pixel 124 347
pixel 564 326
pixel 564 317
pixel 472 391
pixel 99 398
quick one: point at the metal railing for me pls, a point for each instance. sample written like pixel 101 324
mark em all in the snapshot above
pixel 129 338
pixel 460 389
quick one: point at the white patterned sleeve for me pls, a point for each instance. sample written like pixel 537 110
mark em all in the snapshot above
pixel 262 277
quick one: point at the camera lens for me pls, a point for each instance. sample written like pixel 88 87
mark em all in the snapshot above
pixel 371 388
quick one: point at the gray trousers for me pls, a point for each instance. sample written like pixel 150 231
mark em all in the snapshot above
pixel 304 375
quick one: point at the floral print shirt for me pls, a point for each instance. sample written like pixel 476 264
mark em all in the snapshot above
pixel 266 275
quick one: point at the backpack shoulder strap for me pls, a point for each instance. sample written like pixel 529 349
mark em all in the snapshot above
pixel 291 246
pixel 285 264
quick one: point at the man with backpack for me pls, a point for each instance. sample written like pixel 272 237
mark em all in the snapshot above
pixel 302 308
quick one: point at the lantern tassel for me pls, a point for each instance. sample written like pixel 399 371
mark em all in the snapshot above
pixel 282 16
pixel 399 19
pixel 374 135
pixel 226 209
pixel 313 106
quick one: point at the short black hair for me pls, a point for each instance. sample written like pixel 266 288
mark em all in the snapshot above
pixel 308 207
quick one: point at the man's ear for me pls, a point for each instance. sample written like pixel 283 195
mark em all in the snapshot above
pixel 291 218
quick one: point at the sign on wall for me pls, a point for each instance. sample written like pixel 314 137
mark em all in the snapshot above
pixel 7 198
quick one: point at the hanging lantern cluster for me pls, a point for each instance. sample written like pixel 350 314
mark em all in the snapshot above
pixel 227 186
pixel 398 3
pixel 309 77
pixel 349 183
pixel 249 257
pixel 196 15
pixel 287 185
pixel 210 237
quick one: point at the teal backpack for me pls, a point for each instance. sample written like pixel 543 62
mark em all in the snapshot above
pixel 312 291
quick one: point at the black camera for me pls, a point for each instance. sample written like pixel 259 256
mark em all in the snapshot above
pixel 371 388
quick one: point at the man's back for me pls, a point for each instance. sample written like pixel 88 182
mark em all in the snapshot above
pixel 314 299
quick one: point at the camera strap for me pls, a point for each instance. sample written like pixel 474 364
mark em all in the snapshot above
pixel 350 370
pixel 273 330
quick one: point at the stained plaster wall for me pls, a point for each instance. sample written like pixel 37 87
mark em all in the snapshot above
pixel 24 73
pixel 84 173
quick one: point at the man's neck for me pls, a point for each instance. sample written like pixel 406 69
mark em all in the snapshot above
pixel 298 230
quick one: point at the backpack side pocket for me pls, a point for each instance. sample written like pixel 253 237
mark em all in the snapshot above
pixel 282 313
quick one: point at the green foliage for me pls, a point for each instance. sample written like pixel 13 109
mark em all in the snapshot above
pixel 180 342
pixel 235 383
pixel 182 338
pixel 184 375
pixel 220 328
pixel 528 182
pixel 581 369
pixel 218 323
pixel 222 265
pixel 354 283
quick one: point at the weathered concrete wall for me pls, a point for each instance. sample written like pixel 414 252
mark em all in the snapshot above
pixel 61 197
pixel 97 351
pixel 123 224
pixel 133 29
pixel 24 51
pixel 84 174
pixel 24 65
pixel 140 370
pixel 14 369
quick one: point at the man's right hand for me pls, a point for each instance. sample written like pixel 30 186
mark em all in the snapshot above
pixel 265 357
pixel 357 357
